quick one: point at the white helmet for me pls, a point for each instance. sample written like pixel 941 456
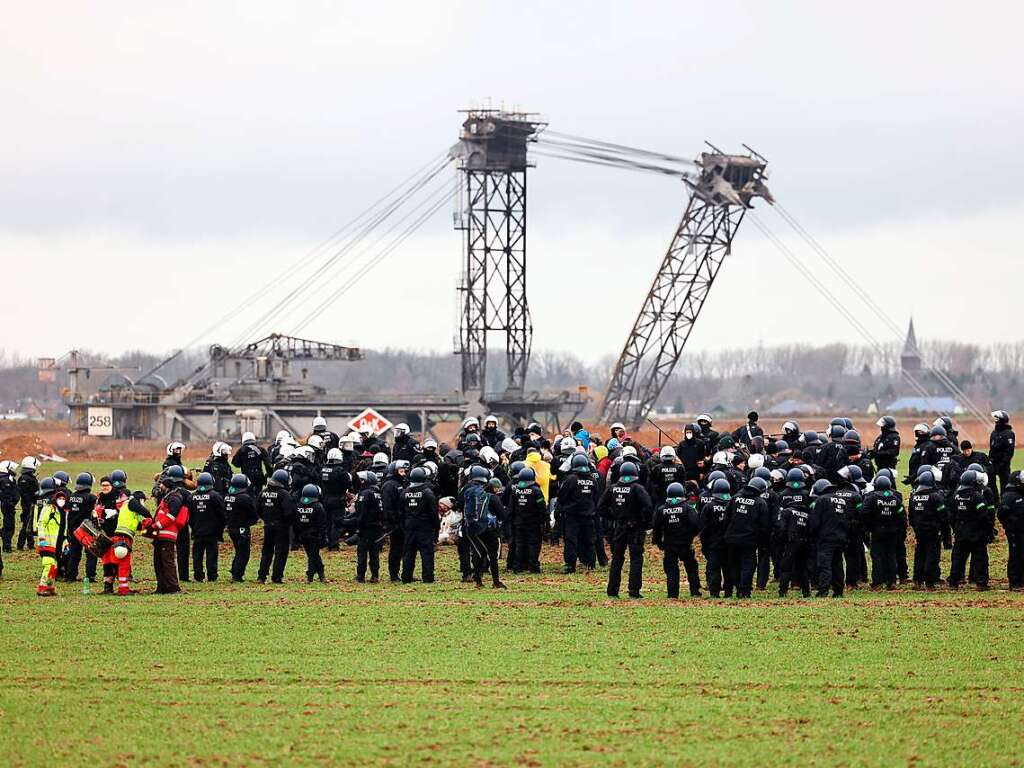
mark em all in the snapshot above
pixel 225 449
pixel 380 459
pixel 508 445
pixel 335 454
pixel 400 429
pixel 175 447
pixel 30 462
pixel 567 445
pixel 618 425
pixel 756 461
pixel 308 452
pixel 704 417
pixel 247 436
pixel 366 431
pixel 431 468
pixel 921 429
pixel 283 435
pixel 315 442
pixel 489 455
pixel 628 450
pixel 286 451
pixel 778 475
pixel 491 420
pixel 790 426
pixel 319 422
pixel 667 452
pixel 429 443
pixel 8 466
pixel 471 421
pixel 720 458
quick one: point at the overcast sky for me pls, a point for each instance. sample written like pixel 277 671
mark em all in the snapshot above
pixel 161 161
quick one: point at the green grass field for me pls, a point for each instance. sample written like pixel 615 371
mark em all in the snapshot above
pixel 548 672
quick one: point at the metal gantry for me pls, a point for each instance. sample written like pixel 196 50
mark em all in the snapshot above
pixel 719 196
pixel 492 157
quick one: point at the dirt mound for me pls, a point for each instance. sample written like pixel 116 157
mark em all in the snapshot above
pixel 17 447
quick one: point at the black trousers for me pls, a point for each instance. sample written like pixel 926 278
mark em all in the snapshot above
pixel 716 570
pixel 884 557
pixel 766 556
pixel 975 550
pixel 579 541
pixel 528 537
pixel 276 541
pixel 1015 561
pixel 926 558
pixel 484 547
pixel 205 552
pixel 670 564
pixel 830 569
pixel 314 563
pixel 241 539
pixel 396 551
pixel 7 531
pixel 855 560
pixel 1002 473
pixel 599 550
pixel 742 562
pixel 73 559
pixel 626 538
pixel 795 567
pixel 335 509
pixel 510 545
pixel 90 566
pixel 902 571
pixel 368 550
pixel 419 541
pixel 184 548
pixel 26 535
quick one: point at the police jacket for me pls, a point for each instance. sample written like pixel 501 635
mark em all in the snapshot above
pixel 831 458
pixel 405 449
pixel 527 504
pixel 714 520
pixel 887 446
pixel 849 497
pixel 220 469
pixel 81 503
pixel 335 482
pixel 832 523
pixel 1001 445
pixel 676 522
pixel 28 486
pixel 369 510
pixel 939 453
pixel 302 473
pixel 9 492
pixel 691 453
pixel 252 461
pixel 207 515
pixel 749 518
pixel 883 512
pixel 927 510
pixel 419 508
pixel 971 515
pixel 310 521
pixel 240 509
pixel 391 500
pixel 492 437
pixel 794 516
pixel 627 504
pixel 1011 509
pixel 276 507
pixel 915 455
pixel 578 494
pixel 661 476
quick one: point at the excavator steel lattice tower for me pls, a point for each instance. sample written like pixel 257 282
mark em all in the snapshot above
pixel 720 194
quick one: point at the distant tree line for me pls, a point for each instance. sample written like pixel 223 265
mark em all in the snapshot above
pixel 836 375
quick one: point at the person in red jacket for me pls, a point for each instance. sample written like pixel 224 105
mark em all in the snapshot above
pixel 171 516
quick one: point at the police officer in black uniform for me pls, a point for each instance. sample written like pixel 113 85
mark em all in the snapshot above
pixel 886 520
pixel 529 513
pixel 886 450
pixel 972 518
pixel 627 508
pixel 578 493
pixel 240 514
pixel 81 504
pixel 714 519
pixel 207 516
pixel 311 527
pixel 1011 516
pixel 928 517
pixel 796 529
pixel 253 462
pixel 277 510
pixel 675 525
pixel 421 523
pixel 1001 445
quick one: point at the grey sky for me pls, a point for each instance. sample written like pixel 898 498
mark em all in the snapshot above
pixel 182 151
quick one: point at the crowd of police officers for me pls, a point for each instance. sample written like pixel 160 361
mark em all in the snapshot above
pixel 820 512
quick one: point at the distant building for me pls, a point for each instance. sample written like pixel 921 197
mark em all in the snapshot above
pixel 910 360
pixel 925 405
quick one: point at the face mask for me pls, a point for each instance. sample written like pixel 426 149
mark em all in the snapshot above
pixel 60 502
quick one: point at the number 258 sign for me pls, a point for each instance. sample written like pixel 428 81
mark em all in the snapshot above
pixel 101 422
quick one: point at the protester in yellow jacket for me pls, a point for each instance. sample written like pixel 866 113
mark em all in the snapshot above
pixel 541 469
pixel 51 533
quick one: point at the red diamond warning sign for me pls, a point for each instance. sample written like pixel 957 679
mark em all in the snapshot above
pixel 370 419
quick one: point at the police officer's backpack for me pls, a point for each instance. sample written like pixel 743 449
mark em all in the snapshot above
pixel 477 516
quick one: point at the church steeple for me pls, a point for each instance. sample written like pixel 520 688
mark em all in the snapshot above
pixel 910 360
